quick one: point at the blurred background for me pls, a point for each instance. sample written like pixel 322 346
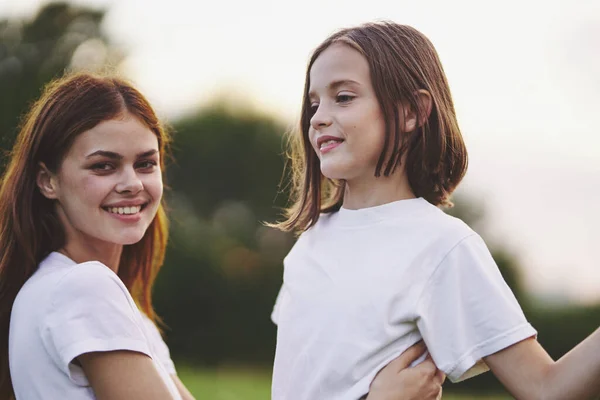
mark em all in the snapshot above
pixel 227 78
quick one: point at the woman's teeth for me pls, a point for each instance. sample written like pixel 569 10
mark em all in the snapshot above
pixel 124 210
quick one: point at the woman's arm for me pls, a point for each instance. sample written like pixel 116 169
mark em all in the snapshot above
pixel 183 391
pixel 123 375
pixel 528 372
pixel 399 381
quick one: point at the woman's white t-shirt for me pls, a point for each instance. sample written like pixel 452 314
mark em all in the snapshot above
pixel 361 286
pixel 67 309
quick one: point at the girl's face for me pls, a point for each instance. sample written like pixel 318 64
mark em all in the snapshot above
pixel 109 185
pixel 347 128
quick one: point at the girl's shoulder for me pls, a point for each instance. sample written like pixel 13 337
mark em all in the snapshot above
pixel 441 230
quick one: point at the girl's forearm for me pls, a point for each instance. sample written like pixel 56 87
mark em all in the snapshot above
pixel 529 373
pixel 577 374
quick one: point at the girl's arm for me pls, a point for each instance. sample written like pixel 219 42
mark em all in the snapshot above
pixel 399 381
pixel 528 372
pixel 183 391
pixel 123 375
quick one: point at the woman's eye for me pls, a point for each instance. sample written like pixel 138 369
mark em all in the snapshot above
pixel 103 167
pixel 313 108
pixel 149 164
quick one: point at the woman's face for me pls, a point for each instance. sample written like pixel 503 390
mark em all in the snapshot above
pixel 109 185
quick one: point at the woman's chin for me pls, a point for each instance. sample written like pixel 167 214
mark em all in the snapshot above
pixel 132 240
pixel 127 239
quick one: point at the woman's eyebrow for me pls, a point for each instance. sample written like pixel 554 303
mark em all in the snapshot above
pixel 108 154
pixel 116 156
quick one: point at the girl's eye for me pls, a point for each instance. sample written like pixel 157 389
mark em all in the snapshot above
pixel 344 98
pixel 313 108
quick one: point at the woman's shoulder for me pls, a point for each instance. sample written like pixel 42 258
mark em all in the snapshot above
pixel 62 267
pixel 88 291
pixel 61 289
pixel 58 276
pixel 64 281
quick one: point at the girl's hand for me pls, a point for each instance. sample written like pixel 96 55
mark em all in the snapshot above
pixel 399 381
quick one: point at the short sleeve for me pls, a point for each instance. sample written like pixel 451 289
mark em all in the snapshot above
pixel 158 346
pixel 467 311
pixel 281 298
pixel 90 311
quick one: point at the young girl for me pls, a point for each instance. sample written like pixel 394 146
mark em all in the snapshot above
pixel 82 237
pixel 378 265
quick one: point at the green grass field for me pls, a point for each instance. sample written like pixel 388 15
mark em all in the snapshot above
pixel 230 384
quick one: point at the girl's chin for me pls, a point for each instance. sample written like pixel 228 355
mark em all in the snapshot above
pixel 329 174
pixel 332 169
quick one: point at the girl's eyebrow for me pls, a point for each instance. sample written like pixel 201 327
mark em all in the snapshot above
pixel 335 85
pixel 116 156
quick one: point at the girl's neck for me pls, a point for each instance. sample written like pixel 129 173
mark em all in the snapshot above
pixel 108 254
pixel 375 191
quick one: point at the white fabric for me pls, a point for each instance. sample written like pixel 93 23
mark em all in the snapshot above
pixel 67 309
pixel 362 286
pixel 158 346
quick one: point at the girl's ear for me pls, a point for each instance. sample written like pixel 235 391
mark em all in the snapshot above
pixel 411 120
pixel 46 182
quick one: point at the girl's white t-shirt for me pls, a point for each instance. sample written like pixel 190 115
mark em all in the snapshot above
pixel 361 286
pixel 67 309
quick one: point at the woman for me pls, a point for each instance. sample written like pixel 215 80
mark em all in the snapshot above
pixel 82 237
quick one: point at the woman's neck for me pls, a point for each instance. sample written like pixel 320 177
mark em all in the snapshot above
pixel 375 191
pixel 108 254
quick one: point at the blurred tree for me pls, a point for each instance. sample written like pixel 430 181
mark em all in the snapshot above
pixel 223 265
pixel 33 51
pixel 224 154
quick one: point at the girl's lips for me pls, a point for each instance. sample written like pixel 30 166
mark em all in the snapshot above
pixel 327 148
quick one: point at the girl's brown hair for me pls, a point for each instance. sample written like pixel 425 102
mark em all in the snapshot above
pixel 402 61
pixel 29 226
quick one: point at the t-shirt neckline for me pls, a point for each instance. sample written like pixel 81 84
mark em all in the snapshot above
pixel 369 215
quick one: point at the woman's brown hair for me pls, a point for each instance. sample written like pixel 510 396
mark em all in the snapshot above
pixel 402 61
pixel 29 226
